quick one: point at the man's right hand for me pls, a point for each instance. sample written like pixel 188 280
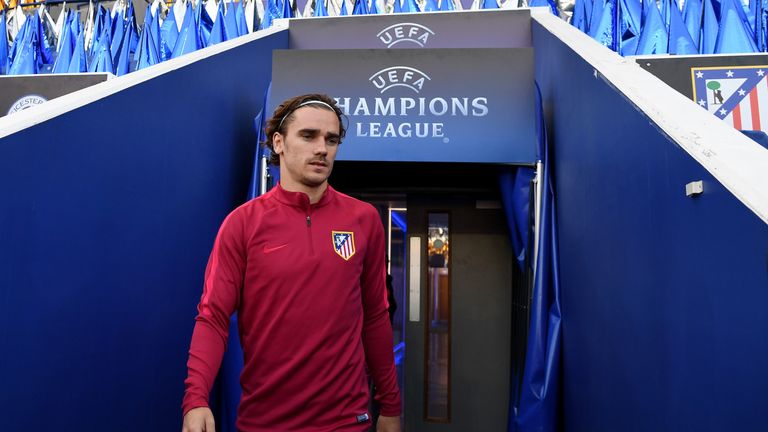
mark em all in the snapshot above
pixel 199 420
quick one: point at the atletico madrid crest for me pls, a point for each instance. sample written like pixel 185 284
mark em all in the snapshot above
pixel 343 243
pixel 736 94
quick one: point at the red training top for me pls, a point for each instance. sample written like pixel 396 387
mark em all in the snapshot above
pixel 308 284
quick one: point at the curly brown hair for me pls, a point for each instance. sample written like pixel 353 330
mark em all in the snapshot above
pixel 283 116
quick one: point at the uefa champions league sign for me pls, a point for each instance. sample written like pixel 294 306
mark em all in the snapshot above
pixel 438 105
pixel 497 28
pixel 407 107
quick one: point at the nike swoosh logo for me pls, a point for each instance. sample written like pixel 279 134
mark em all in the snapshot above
pixel 272 249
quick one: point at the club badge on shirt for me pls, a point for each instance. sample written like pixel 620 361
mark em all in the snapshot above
pixel 343 243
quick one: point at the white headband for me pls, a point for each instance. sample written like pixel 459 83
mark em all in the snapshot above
pixel 309 102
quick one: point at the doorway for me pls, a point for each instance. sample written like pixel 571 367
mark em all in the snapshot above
pixel 451 267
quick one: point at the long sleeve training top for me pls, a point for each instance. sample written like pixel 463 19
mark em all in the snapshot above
pixel 308 284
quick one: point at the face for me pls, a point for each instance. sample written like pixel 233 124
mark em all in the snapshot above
pixel 308 148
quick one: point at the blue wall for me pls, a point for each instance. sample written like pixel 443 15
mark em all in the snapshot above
pixel 664 297
pixel 106 223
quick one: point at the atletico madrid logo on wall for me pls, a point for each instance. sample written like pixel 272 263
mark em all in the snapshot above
pixel 736 94
pixel 344 243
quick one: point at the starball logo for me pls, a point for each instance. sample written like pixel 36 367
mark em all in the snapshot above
pixel 389 112
pixel 410 33
pixel 399 76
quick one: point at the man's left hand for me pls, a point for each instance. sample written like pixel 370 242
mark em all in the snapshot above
pixel 388 424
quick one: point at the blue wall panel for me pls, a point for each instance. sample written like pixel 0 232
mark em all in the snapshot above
pixel 664 296
pixel 107 217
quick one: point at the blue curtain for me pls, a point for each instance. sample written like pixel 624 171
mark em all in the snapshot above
pixel 539 405
pixel 515 186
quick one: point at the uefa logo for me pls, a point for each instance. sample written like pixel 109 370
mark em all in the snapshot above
pixel 411 33
pixel 399 76
pixel 26 102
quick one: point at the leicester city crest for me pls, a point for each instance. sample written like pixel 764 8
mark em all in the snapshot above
pixel 343 243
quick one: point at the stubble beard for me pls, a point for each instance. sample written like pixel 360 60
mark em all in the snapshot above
pixel 314 181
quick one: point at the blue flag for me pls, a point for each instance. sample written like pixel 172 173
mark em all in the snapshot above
pixel 38 38
pixel 397 8
pixel 118 30
pixel 154 35
pixel 734 35
pixel 374 10
pixel 148 19
pixel 604 28
pixel 360 8
pixel 219 31
pixel 411 6
pixel 271 12
pixel 491 4
pixel 692 10
pixel 16 44
pixel 45 46
pixel 653 38
pixel 204 24
pixel 579 17
pixel 189 37
pixel 169 33
pixel 98 25
pixel 680 41
pixel 79 56
pixel 751 14
pixel 75 26
pixel 240 23
pixel 343 11
pixel 709 28
pixel 630 19
pixel 3 44
pixel 102 57
pixel 534 3
pixel 230 21
pixel 595 14
pixel 287 11
pixel 147 53
pixel 664 9
pixel 130 19
pixel 66 49
pixel 123 60
pixel 431 5
pixel 759 19
pixel 320 10
pixel 445 5
pixel 24 50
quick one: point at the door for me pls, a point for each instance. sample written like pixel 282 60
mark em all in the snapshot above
pixel 458 315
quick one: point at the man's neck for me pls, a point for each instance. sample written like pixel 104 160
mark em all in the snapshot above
pixel 314 193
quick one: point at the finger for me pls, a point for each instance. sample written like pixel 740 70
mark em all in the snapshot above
pixel 209 424
pixel 192 428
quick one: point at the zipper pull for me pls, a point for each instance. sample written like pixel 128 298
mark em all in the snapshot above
pixel 309 221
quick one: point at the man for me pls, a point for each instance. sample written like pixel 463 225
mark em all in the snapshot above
pixel 303 266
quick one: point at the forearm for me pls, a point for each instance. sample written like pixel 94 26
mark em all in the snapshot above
pixel 377 341
pixel 221 292
pixel 205 353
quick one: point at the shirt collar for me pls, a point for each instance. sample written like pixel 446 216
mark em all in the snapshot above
pixel 300 199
